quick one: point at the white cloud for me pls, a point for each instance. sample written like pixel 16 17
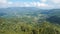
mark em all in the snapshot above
pixel 44 5
pixel 43 1
pixel 3 1
pixel 56 1
pixel 35 4
pixel 27 4
pixel 10 2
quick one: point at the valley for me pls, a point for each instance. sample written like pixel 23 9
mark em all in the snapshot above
pixel 29 20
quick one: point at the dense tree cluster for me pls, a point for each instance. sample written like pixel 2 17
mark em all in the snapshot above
pixel 27 26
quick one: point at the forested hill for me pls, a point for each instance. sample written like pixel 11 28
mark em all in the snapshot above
pixel 52 15
pixel 29 20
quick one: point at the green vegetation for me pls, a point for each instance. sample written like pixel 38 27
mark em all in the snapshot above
pixel 23 20
pixel 27 25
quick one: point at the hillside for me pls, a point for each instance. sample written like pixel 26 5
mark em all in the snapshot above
pixel 21 26
pixel 29 20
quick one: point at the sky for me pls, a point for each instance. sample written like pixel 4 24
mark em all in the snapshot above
pixel 30 3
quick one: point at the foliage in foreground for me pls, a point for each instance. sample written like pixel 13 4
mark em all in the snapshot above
pixel 27 26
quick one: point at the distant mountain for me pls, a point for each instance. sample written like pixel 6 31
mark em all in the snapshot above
pixel 51 15
pixel 54 16
pixel 21 11
pixel 26 10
